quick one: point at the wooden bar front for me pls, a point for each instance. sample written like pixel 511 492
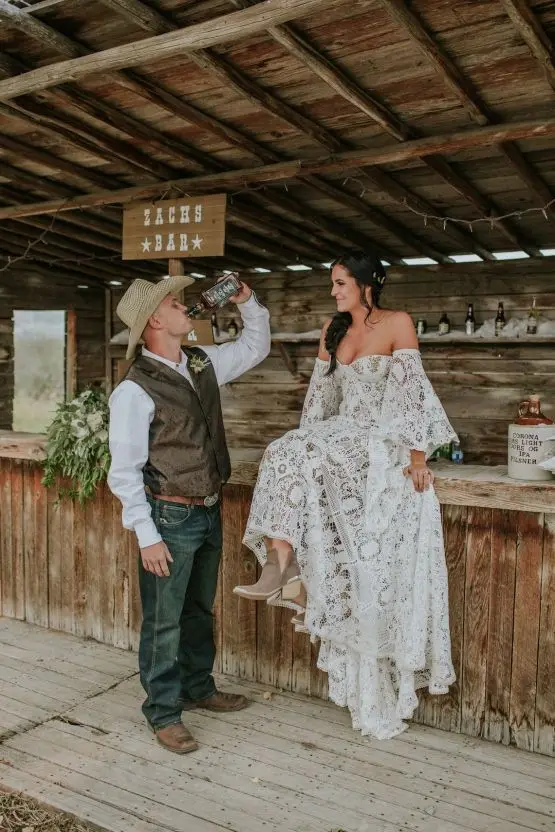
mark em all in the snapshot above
pixel 73 568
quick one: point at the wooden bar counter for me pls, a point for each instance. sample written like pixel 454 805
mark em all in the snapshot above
pixel 73 568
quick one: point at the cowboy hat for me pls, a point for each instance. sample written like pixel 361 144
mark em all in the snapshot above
pixel 141 300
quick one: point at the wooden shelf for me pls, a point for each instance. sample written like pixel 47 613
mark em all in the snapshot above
pixel 471 341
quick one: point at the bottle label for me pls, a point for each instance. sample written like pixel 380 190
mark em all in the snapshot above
pixel 221 292
pixel 499 326
pixel 443 328
pixel 532 327
pixel 470 327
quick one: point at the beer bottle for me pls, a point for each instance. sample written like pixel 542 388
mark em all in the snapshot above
pixel 532 323
pixel 444 324
pixel 470 322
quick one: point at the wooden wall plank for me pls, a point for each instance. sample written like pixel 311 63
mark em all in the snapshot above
pixel 445 711
pixel 238 567
pixel 526 629
pixel 117 549
pixel 68 554
pixel 476 612
pixel 544 732
pixel 55 563
pixel 501 614
pixel 35 545
pixel 80 595
pixel 7 600
pixel 18 543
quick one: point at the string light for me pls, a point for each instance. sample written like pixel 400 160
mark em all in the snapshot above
pixel 442 219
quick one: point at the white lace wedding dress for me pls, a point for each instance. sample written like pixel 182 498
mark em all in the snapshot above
pixel 370 548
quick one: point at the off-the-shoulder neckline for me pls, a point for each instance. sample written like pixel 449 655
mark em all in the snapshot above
pixel 373 355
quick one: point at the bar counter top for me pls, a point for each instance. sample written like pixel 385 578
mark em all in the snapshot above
pixel 471 485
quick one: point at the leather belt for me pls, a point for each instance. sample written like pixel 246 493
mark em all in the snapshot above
pixel 207 502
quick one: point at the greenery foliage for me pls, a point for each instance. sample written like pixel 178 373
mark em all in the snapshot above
pixel 77 445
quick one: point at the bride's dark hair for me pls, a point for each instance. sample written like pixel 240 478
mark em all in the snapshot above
pixel 367 270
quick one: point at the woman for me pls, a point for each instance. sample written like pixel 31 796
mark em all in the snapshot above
pixel 345 502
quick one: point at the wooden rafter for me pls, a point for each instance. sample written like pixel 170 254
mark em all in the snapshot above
pixel 155 23
pixel 225 29
pixel 533 34
pixel 287 171
pixel 103 111
pixel 23 150
pixel 467 95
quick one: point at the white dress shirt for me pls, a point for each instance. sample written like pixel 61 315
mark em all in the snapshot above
pixel 132 411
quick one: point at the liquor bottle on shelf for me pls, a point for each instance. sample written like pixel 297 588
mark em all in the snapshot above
pixel 421 326
pixel 530 413
pixel 444 325
pixel 217 296
pixel 500 319
pixel 532 322
pixel 470 321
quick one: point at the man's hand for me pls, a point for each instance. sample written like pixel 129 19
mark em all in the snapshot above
pixel 245 292
pixel 156 558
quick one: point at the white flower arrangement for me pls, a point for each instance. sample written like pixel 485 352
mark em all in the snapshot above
pixel 198 364
pixel 77 445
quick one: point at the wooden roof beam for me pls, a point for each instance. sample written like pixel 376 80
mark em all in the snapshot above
pixel 533 34
pixel 231 75
pixel 49 121
pixel 42 157
pixel 467 95
pixel 299 46
pixel 100 109
pixel 455 80
pixel 288 171
pixel 153 22
pixel 378 218
pixel 325 69
pixel 227 28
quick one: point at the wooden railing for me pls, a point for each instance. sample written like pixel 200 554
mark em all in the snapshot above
pixel 73 568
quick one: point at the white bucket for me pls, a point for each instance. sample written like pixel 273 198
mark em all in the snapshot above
pixel 529 445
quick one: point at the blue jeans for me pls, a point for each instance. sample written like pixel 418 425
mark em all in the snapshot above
pixel 177 650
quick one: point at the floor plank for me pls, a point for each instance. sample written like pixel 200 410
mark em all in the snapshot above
pixel 72 735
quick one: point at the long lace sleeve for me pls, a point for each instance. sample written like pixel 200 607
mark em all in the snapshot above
pixel 411 411
pixel 323 395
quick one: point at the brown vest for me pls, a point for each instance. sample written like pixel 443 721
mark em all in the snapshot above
pixel 188 455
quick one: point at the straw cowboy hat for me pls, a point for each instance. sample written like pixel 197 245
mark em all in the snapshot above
pixel 141 300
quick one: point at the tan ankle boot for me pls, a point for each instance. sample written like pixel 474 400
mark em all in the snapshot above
pixel 271 580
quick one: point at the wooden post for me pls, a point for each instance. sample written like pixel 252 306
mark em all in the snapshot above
pixel 176 268
pixel 71 354
pixel 107 337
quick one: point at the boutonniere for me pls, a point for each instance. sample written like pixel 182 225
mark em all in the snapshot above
pixel 198 364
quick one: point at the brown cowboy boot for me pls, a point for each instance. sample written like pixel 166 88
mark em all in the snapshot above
pixel 219 702
pixel 176 738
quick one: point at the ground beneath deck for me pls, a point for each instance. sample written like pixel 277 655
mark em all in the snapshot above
pixel 72 735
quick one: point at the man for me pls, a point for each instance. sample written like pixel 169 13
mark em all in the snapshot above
pixel 169 460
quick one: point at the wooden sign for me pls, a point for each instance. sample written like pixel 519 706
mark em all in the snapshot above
pixel 173 228
pixel 201 335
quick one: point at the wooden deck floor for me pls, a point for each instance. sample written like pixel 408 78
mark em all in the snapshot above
pixel 71 735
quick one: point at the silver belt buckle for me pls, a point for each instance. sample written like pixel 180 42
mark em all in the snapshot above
pixel 211 500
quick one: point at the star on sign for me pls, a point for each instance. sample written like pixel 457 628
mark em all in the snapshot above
pixel 146 245
pixel 197 242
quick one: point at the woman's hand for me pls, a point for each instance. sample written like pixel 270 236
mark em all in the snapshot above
pixel 422 477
